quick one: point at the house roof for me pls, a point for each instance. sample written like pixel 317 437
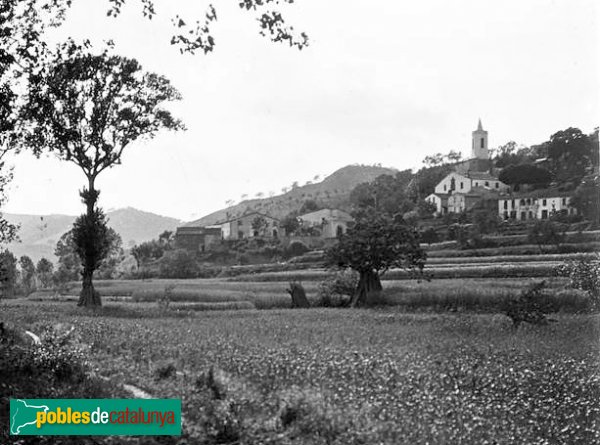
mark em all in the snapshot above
pixel 328 213
pixel 244 216
pixel 553 192
pixel 481 175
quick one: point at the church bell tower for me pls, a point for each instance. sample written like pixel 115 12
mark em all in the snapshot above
pixel 480 143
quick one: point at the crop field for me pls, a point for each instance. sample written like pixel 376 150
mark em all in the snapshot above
pixel 342 376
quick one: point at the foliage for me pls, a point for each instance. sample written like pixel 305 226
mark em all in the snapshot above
pixel 178 263
pixel 309 205
pixel 8 273
pixel 584 275
pixel 260 225
pixel 44 271
pixel 525 174
pixel 295 248
pixel 430 236
pixel 337 289
pixel 510 154
pixel 290 223
pixel 27 273
pixel 570 154
pixel 385 194
pixel 530 306
pixel 586 198
pixel 371 247
pixel 546 232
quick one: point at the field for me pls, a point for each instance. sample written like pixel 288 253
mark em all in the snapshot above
pixel 435 362
pixel 348 376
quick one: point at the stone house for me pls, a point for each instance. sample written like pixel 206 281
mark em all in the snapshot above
pixel 331 222
pixel 196 238
pixel 241 227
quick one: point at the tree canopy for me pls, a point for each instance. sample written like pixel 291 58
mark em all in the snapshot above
pixel 525 174
pixel 375 244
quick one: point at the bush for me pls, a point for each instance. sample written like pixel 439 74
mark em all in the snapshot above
pixel 583 275
pixel 531 306
pixel 178 264
pixel 296 248
pixel 337 289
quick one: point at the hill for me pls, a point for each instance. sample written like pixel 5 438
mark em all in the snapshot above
pixel 333 191
pixel 39 234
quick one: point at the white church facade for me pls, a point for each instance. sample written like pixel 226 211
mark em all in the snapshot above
pixel 471 182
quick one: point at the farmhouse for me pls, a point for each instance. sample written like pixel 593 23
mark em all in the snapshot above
pixel 331 222
pixel 538 204
pixel 249 225
pixel 196 238
pixel 471 182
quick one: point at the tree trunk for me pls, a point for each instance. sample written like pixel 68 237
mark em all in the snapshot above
pixel 88 296
pixel 368 289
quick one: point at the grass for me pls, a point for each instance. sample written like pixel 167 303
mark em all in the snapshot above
pixel 352 376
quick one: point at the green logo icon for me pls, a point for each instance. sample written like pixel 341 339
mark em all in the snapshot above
pixel 95 417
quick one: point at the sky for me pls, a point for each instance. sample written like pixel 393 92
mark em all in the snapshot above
pixel 382 82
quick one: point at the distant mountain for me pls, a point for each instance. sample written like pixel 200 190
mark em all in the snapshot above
pixel 333 191
pixel 39 234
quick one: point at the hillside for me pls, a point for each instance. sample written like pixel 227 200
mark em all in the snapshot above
pixel 39 234
pixel 333 191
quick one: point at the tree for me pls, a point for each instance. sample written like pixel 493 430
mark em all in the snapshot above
pixel 27 273
pixel 44 271
pixel 375 244
pixel 290 223
pixel 259 225
pixel 511 154
pixel 310 205
pixel 570 154
pixel 516 175
pixel 385 194
pixel 586 199
pixel 87 109
pixel 22 23
pixel 8 273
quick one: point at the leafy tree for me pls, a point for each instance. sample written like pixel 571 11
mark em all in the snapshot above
pixel 430 236
pixel 22 23
pixel 27 273
pixel 8 273
pixel 44 271
pixel 260 225
pixel 372 246
pixel 570 154
pixel 511 154
pixel 87 109
pixel 516 175
pixel 290 223
pixel 178 263
pixel 385 194
pixel 586 199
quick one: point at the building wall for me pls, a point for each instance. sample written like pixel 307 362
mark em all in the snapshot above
pixel 242 227
pixel 462 184
pixel 533 208
pixel 440 205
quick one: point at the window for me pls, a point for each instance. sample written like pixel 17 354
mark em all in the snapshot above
pixel 453 184
pixel 522 202
pixel 564 201
pixel 477 184
pixel 462 185
pixel 544 202
pixel 505 215
pixel 506 204
pixel 444 187
pixel 497 185
pixel 487 183
pixel 512 204
pixel 482 143
pixel 530 214
pixel 523 215
pixel 544 214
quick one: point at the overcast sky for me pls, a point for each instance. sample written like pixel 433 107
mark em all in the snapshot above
pixel 383 81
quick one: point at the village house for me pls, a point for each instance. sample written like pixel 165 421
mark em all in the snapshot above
pixel 197 238
pixel 331 222
pixel 537 204
pixel 243 226
pixel 471 182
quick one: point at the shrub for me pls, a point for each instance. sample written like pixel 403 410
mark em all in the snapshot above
pixel 296 248
pixel 178 264
pixel 338 288
pixel 583 275
pixel 531 306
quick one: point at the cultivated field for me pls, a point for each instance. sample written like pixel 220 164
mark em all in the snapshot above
pixel 347 376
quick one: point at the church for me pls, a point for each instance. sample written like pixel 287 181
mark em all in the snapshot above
pixel 472 182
